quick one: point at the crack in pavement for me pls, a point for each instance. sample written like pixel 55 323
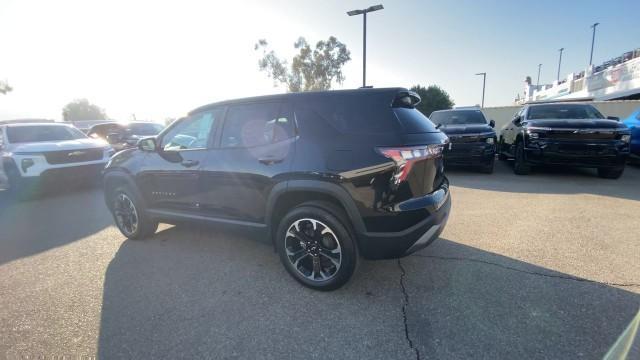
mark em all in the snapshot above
pixel 526 271
pixel 405 304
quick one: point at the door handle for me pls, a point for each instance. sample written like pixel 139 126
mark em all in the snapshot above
pixel 190 163
pixel 270 160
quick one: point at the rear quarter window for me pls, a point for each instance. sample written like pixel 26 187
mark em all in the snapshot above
pixel 356 113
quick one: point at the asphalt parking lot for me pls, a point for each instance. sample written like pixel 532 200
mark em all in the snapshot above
pixel 542 266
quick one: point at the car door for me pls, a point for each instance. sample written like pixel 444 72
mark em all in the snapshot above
pixel 255 148
pixel 169 178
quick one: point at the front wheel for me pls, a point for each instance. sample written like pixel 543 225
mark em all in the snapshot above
pixel 520 167
pixel 130 216
pixel 610 173
pixel 316 246
pixel 488 168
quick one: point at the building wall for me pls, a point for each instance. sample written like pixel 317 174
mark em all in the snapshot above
pixel 621 109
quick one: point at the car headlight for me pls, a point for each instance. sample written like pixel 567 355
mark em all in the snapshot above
pixel 533 135
pixel 625 138
pixel 489 140
pixel 25 164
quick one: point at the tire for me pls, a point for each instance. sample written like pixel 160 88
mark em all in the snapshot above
pixel 17 186
pixel 610 173
pixel 130 215
pixel 323 255
pixel 520 167
pixel 488 169
pixel 501 155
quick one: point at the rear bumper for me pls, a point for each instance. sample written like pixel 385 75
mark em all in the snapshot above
pixel 389 245
pixel 472 154
pixel 577 154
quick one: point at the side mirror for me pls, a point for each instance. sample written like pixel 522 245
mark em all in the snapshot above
pixel 147 144
pixel 114 138
pixel 517 120
pixel 492 123
pixel 438 126
pixel 613 118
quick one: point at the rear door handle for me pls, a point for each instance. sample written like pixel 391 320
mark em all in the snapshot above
pixel 190 163
pixel 270 160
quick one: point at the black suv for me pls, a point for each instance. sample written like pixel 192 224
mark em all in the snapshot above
pixel 472 138
pixel 324 176
pixel 568 134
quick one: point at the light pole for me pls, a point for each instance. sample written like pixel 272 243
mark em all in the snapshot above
pixel 559 63
pixel 364 12
pixel 484 81
pixel 538 82
pixel 593 40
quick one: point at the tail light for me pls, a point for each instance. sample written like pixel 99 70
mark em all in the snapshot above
pixel 405 157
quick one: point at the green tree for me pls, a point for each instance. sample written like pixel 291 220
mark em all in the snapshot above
pixel 82 109
pixel 4 87
pixel 433 99
pixel 310 69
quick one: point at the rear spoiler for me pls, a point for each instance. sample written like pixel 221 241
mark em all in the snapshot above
pixel 406 99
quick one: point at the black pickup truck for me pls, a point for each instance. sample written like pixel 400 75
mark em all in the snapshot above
pixel 568 134
pixel 472 138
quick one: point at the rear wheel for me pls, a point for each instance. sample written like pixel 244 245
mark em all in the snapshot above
pixel 610 173
pixel 520 167
pixel 130 216
pixel 316 247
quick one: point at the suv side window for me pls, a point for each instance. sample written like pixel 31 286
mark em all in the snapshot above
pixel 191 133
pixel 250 125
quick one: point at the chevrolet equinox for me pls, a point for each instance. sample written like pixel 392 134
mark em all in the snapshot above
pixel 326 177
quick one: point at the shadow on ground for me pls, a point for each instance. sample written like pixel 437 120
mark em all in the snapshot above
pixel 30 226
pixel 549 180
pixel 195 292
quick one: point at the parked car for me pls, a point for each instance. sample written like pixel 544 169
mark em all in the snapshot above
pixel 86 125
pixel 633 123
pixel 324 176
pixel 472 138
pixel 569 134
pixel 124 135
pixel 37 154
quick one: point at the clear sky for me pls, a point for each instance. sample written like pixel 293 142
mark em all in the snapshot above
pixel 158 59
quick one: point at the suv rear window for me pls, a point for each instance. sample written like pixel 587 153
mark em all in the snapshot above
pixel 414 121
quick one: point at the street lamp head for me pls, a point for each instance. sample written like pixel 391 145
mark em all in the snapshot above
pixel 364 11
pixel 561 49
pixel 595 24
pixel 482 73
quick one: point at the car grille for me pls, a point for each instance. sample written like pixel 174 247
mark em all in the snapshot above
pixel 73 156
pixel 580 135
pixel 465 139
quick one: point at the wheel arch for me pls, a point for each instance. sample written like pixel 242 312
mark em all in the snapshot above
pixel 116 178
pixel 287 195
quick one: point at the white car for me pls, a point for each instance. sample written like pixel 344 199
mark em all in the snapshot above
pixel 36 154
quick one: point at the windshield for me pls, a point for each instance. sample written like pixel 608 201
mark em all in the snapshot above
pixel 144 129
pixel 563 111
pixel 458 117
pixel 25 134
